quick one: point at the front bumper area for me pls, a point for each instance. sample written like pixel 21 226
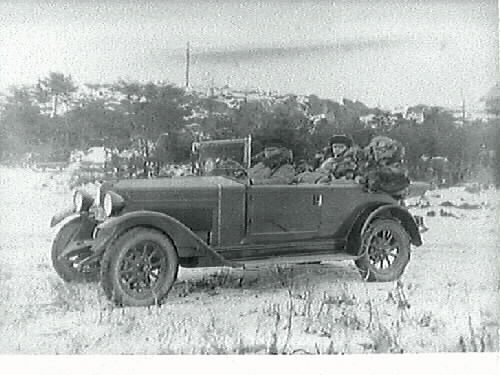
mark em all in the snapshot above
pixel 96 245
pixel 102 240
pixel 88 241
pixel 88 252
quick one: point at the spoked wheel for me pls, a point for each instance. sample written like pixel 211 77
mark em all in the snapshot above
pixel 66 267
pixel 139 268
pixel 386 252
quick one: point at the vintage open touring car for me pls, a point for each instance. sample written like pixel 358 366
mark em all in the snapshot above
pixel 134 234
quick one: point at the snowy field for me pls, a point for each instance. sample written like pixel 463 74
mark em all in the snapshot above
pixel 446 301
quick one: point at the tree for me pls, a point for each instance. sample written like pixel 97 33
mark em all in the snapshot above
pixel 150 110
pixel 287 123
pixel 55 88
pixel 20 120
pixel 95 120
pixel 492 101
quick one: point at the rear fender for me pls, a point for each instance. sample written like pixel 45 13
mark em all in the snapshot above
pixel 185 241
pixel 351 229
pixel 400 213
pixel 360 220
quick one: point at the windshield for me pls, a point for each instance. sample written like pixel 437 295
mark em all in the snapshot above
pixel 223 154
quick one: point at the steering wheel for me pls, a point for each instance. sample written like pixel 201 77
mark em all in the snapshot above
pixel 240 173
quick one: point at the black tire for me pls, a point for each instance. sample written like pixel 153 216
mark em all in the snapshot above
pixel 139 268
pixel 387 243
pixel 65 268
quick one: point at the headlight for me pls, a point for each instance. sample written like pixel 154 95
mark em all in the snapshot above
pixel 82 201
pixel 112 203
pixel 77 201
pixel 98 196
pixel 108 205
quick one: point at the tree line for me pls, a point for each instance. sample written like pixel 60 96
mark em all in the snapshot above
pixel 54 116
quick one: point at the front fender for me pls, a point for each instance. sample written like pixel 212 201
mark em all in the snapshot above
pixel 185 241
pixel 61 215
pixel 86 224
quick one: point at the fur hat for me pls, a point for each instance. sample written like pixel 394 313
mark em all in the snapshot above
pixel 342 139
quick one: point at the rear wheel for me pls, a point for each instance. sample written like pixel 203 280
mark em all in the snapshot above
pixel 66 267
pixel 386 251
pixel 139 268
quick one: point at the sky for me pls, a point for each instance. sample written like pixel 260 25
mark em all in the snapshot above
pixel 387 53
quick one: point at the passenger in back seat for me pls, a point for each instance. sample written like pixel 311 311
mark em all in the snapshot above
pixel 274 165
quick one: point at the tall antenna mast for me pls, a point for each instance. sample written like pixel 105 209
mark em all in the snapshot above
pixel 187 65
pixel 463 106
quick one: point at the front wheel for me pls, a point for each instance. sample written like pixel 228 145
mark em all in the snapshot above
pixel 386 251
pixel 139 268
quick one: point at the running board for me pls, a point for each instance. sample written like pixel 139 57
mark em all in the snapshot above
pixel 241 253
pixel 294 259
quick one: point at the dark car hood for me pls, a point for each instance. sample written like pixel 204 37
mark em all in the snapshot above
pixel 191 200
pixel 181 188
pixel 174 183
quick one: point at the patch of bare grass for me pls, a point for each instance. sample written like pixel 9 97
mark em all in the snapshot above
pixel 301 321
pixel 69 297
pixel 478 339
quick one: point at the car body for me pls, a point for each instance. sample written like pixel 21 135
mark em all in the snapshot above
pixel 212 221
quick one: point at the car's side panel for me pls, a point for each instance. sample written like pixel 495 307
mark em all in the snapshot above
pixel 283 213
pixel 215 210
pixel 193 207
pixel 340 201
pixel 230 216
pixel 256 221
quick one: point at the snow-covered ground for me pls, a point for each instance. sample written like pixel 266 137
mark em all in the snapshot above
pixel 447 299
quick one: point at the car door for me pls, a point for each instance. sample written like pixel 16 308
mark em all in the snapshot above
pixel 283 212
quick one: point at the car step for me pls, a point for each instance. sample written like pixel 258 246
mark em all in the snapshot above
pixel 282 260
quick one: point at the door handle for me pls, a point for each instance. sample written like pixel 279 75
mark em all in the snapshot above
pixel 317 200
